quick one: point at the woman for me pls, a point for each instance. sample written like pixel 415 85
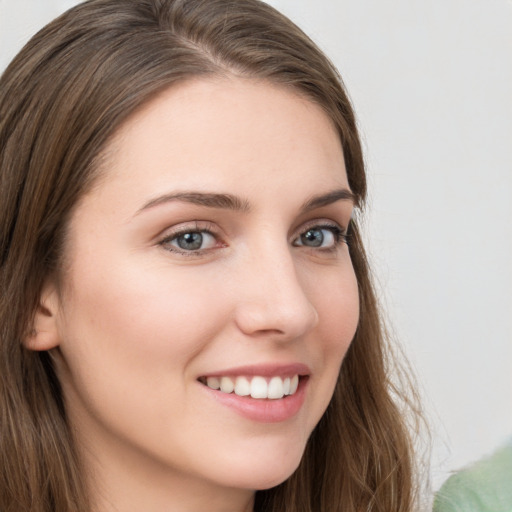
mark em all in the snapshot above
pixel 182 276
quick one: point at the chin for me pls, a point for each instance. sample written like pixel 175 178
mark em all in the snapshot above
pixel 265 472
pixel 269 481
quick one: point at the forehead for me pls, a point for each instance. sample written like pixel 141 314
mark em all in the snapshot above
pixel 218 133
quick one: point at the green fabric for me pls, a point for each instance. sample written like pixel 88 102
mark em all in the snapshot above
pixel 484 487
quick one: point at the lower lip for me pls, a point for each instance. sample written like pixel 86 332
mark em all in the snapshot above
pixel 263 410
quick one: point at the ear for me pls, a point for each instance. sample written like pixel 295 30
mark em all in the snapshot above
pixel 44 334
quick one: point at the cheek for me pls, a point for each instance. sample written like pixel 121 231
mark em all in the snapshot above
pixel 132 324
pixel 338 309
pixel 131 302
pixel 129 341
pixel 336 299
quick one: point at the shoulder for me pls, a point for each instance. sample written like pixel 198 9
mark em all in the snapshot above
pixel 484 487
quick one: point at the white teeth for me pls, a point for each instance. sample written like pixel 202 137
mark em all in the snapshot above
pixel 275 388
pixel 257 387
pixel 286 386
pixel 226 385
pixel 242 386
pixel 294 383
pixel 213 382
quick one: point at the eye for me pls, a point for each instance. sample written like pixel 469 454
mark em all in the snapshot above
pixel 190 241
pixel 323 237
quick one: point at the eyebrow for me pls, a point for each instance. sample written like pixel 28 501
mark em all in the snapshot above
pixel 210 200
pixel 321 200
pixel 235 203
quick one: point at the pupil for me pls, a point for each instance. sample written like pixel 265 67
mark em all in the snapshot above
pixel 190 241
pixel 313 238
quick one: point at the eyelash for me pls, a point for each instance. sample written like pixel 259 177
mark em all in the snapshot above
pixel 340 236
pixel 202 228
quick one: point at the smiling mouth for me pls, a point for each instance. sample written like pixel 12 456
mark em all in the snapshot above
pixel 273 388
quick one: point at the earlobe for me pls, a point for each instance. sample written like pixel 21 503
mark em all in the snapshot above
pixel 44 334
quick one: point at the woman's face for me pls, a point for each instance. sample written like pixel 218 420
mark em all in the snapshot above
pixel 211 253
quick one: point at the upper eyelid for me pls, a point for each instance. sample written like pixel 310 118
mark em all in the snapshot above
pixel 188 227
pixel 320 223
pixel 168 237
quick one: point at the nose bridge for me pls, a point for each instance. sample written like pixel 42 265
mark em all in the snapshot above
pixel 275 300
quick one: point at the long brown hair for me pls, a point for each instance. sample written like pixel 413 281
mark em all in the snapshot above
pixel 61 100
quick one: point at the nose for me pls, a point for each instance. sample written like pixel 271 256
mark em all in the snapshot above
pixel 274 301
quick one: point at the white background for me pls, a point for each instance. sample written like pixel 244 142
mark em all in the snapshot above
pixel 432 86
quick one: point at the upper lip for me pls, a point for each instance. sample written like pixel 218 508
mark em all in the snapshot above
pixel 263 370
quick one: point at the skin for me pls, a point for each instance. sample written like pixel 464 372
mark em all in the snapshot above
pixel 138 320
